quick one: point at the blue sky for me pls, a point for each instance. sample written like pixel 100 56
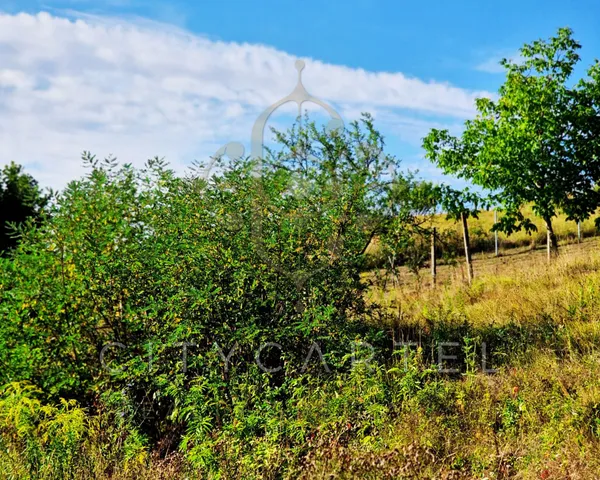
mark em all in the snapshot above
pixel 179 79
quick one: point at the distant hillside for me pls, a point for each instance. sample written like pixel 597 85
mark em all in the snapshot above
pixel 482 238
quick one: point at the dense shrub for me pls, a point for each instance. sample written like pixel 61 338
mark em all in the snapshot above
pixel 158 291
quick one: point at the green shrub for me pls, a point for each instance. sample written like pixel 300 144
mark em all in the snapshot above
pixel 132 266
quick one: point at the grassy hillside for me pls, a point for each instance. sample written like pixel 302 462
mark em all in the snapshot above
pixel 511 261
pixel 480 230
pixel 537 417
pixel 483 239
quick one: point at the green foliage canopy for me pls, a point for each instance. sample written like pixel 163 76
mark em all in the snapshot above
pixel 537 142
pixel 20 199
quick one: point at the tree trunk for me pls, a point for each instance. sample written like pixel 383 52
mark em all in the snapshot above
pixel 495 233
pixel 433 259
pixel 463 217
pixel 551 240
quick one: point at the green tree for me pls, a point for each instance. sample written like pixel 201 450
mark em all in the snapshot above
pixel 412 203
pixel 20 199
pixel 459 205
pixel 536 144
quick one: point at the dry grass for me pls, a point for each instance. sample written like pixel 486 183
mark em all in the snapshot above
pixel 565 230
pixel 507 273
pixel 538 417
pixel 528 423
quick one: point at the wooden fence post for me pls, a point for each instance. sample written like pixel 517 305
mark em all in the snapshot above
pixel 578 232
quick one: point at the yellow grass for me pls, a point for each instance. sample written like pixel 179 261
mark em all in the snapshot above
pixel 521 289
pixel 481 234
pixel 565 230
pixel 551 315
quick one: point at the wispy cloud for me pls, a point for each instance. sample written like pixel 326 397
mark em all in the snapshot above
pixel 492 64
pixel 137 89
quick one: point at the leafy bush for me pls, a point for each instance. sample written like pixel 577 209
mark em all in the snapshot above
pixel 43 440
pixel 21 201
pixel 156 291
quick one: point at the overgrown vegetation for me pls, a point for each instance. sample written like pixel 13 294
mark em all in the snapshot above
pixel 537 415
pixel 158 326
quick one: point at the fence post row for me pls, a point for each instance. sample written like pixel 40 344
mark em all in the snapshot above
pixel 496 233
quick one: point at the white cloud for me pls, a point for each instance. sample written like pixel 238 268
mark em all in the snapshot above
pixel 137 89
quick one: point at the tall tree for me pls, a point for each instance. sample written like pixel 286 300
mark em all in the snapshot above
pixel 20 199
pixel 537 143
